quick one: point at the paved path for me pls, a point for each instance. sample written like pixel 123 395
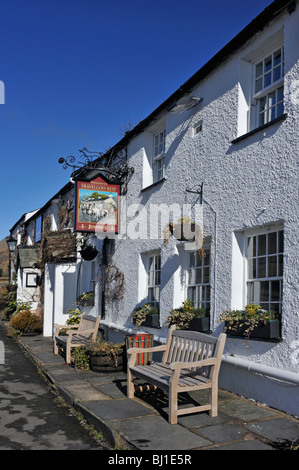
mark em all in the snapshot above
pixel 30 416
pixel 141 424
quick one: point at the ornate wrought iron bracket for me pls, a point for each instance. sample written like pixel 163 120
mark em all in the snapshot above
pixel 198 191
pixel 113 163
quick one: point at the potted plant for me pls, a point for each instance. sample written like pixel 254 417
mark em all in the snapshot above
pixel 25 323
pixel 253 322
pixel 105 356
pixel 88 252
pixel 147 315
pixel 187 317
pixel 184 230
pixel 86 299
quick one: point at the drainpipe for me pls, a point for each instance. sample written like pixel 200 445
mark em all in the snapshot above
pixel 284 375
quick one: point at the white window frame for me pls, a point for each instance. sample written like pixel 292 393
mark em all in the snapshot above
pixel 158 160
pixel 264 268
pixel 268 99
pixel 154 279
pixel 198 279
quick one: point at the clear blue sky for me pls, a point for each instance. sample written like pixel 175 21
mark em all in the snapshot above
pixel 76 72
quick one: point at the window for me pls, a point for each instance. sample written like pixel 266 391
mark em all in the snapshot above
pixel 154 280
pixel 159 156
pixel 268 87
pixel 38 229
pixel 199 279
pixel 265 270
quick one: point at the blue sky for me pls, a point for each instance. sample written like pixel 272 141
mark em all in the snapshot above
pixel 78 72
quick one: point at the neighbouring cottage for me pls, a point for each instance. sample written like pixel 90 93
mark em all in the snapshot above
pixel 222 150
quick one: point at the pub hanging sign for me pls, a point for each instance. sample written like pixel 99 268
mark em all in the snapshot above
pixel 96 206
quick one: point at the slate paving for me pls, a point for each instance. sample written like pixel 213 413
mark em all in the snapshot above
pixel 142 423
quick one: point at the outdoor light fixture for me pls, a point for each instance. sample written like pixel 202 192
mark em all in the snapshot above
pixel 12 243
pixel 185 104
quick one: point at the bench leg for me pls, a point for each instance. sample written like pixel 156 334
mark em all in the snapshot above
pixel 55 347
pixel 68 353
pixel 213 395
pixel 173 406
pixel 130 384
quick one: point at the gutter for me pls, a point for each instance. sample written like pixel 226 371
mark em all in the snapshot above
pixel 262 369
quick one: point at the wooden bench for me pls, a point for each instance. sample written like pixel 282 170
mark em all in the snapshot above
pixel 77 336
pixel 191 361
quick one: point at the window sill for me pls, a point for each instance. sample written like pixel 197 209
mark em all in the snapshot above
pixel 258 129
pixel 156 183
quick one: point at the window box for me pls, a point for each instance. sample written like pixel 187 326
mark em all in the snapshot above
pixel 153 321
pixel 147 315
pixel 201 324
pixel 253 322
pixel 269 330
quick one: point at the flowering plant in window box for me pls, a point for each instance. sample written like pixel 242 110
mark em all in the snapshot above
pixel 147 315
pixel 253 322
pixel 187 317
pixel 86 299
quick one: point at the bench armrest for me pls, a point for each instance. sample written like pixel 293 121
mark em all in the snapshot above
pixel 132 352
pixel 81 333
pixel 188 365
pixel 57 328
pixel 142 350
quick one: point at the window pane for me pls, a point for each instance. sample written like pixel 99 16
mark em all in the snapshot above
pixel 272 99
pixel 277 73
pixel 272 266
pixel 261 245
pixel 280 94
pixel 277 58
pixel 261 272
pixel 267 79
pixel 268 63
pixel 198 276
pixel 275 290
pixel 264 295
pixel 258 84
pixel 205 275
pixel 280 241
pixel 272 245
pixel 258 69
pixel 192 259
pixel 251 268
pixel 251 247
pixel 206 258
pixel 279 109
pixel 280 265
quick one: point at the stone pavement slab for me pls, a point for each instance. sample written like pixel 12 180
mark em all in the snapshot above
pixel 244 410
pixel 154 433
pixel 116 409
pixel 280 430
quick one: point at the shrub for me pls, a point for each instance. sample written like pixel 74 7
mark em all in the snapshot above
pixel 25 322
